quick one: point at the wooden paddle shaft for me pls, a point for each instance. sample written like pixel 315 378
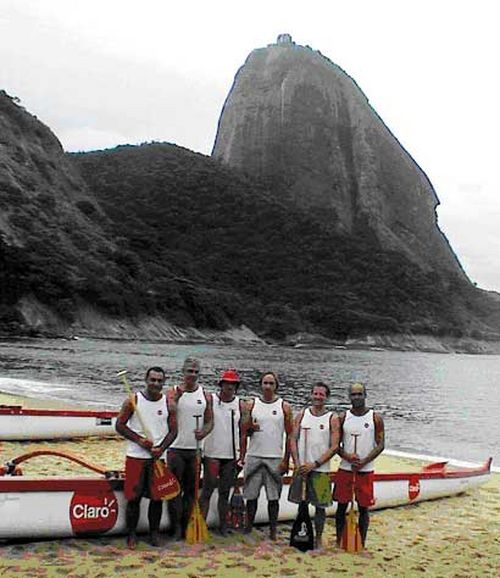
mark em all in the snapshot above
pixel 355 436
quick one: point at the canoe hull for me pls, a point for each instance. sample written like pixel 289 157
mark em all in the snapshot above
pixel 17 423
pixel 34 507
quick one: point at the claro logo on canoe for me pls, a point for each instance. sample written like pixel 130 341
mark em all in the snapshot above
pixel 93 513
pixel 413 487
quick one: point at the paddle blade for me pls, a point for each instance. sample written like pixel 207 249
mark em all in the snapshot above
pixel 197 530
pixel 351 537
pixel 164 485
pixel 302 534
pixel 236 514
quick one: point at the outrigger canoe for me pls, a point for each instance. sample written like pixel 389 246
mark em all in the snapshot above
pixel 34 507
pixel 19 423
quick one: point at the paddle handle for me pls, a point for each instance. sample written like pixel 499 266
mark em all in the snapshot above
pixel 145 429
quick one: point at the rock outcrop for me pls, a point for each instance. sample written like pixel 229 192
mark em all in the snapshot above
pixel 298 121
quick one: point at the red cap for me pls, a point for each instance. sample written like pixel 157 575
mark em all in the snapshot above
pixel 230 375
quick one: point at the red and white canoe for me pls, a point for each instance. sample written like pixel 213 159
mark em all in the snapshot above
pixel 19 423
pixel 51 507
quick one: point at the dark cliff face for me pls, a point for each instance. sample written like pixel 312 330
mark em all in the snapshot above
pixel 52 240
pixel 41 194
pixel 298 121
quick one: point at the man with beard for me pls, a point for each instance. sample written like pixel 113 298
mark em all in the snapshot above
pixel 268 420
pixel 314 442
pixel 362 440
pixel 191 400
pixel 151 411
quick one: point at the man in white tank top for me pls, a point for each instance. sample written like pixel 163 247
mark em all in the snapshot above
pixel 314 442
pixel 191 400
pixel 268 420
pixel 158 418
pixel 222 447
pixel 361 441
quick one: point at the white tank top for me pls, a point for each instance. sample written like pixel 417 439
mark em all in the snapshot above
pixel 189 404
pixel 219 442
pixel 268 442
pixel 154 414
pixel 364 427
pixel 318 438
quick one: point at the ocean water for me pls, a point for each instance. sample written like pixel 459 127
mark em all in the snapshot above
pixel 446 405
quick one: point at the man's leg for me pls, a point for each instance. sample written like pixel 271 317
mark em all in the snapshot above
pixel 273 484
pixel 273 508
pixel 319 524
pixel 340 520
pixel 251 511
pixel 210 475
pixel 189 481
pixel 254 480
pixel 176 465
pixel 132 512
pixel 364 522
pixel 154 518
pixel 227 479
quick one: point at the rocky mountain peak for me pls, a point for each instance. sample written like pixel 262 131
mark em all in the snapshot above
pixel 297 120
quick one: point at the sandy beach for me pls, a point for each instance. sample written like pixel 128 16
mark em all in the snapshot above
pixel 452 537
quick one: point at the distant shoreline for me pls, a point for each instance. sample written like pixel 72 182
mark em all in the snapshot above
pixel 374 343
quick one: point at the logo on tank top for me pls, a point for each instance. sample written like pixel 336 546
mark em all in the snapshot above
pixel 367 425
pixel 321 426
pixel 160 412
pixel 198 401
pixel 93 512
pixel 275 412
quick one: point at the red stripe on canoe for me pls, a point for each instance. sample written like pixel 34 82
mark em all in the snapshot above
pixel 19 410
pixel 25 484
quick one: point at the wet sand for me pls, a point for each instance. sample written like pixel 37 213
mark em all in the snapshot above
pixel 454 537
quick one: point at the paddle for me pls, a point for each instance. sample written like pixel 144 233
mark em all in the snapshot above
pixel 164 485
pixel 197 530
pixel 302 534
pixel 237 505
pixel 351 536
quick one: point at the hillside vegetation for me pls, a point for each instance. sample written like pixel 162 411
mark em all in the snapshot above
pixel 204 245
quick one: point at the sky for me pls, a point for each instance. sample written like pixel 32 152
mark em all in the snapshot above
pixel 105 72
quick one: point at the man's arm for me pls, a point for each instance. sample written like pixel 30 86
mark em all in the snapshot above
pixel 342 453
pixel 379 443
pixel 158 450
pixel 288 416
pixel 245 428
pixel 122 428
pixel 294 439
pixel 208 419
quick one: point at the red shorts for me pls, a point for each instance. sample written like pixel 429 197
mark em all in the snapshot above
pixel 138 474
pixel 363 489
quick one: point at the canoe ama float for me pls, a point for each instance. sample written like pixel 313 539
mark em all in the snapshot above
pixel 52 507
pixel 18 423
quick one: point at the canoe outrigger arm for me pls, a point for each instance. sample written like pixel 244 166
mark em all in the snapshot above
pixel 11 468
